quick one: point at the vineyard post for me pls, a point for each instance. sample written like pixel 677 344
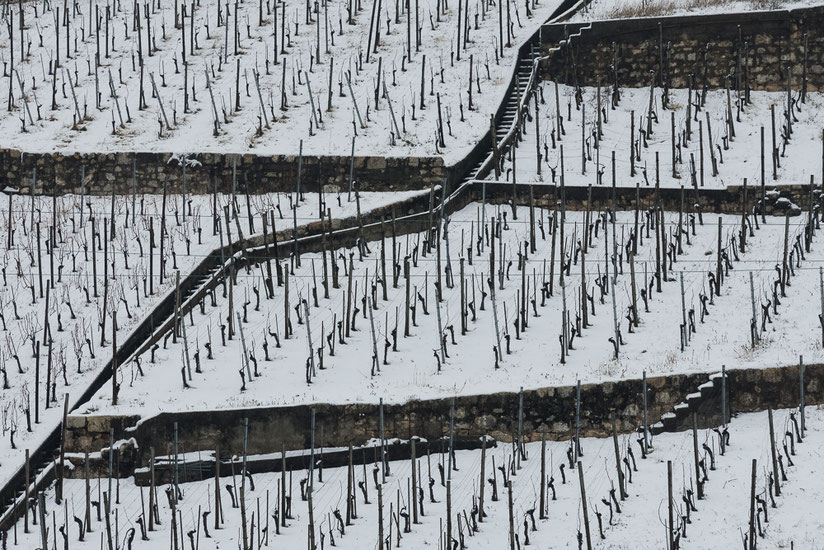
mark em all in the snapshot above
pixel 723 396
pixel 754 319
pixel 26 493
pixel 383 443
pixel 752 507
pixel 684 327
pixel 801 394
pixel 784 265
pixel 512 534
pixel 584 504
pixel 519 454
pixel 451 456
pixel 670 525
pixel 698 482
pixel 449 505
pixel 776 478
pixel 621 484
pixel 88 509
pixel 542 512
pixel 218 507
pixel 577 446
pixel 413 461
pixel 482 481
pixel 380 516
pixel 644 398
pixel 718 271
pixel 763 187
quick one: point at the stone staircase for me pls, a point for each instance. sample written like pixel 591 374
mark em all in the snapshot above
pixel 527 75
pixel 704 403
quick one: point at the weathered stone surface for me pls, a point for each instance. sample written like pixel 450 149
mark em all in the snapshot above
pixel 545 413
pixel 766 45
pixel 550 411
pixel 73 422
pixel 258 174
pixel 98 424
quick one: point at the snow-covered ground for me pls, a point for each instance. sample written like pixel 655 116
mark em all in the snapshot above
pixel 717 522
pixel 74 311
pixel 738 158
pixel 233 73
pixel 722 336
pixel 626 9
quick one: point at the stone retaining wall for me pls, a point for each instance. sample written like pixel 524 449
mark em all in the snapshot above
pixel 547 411
pixel 757 47
pixel 63 172
pixel 778 200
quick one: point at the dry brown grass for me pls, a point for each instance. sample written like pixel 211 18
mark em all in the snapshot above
pixel 656 8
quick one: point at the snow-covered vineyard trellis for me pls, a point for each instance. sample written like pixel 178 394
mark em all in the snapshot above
pixel 603 328
pixel 728 261
pixel 596 297
pixel 700 488
pixel 267 76
pixel 696 140
pixel 64 304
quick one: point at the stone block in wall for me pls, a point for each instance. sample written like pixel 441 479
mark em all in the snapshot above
pixel 376 163
pixel 772 375
pixel 79 442
pixel 75 422
pixel 662 397
pixel 98 424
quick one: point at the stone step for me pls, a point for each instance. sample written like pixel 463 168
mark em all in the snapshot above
pixel 704 403
pixel 524 65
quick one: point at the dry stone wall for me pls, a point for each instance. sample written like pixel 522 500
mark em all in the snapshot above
pixel 104 171
pixel 755 48
pixel 547 411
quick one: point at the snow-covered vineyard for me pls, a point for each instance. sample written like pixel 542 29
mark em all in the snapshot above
pixel 60 302
pixel 706 485
pixel 593 318
pixel 698 140
pixel 267 77
pixel 382 332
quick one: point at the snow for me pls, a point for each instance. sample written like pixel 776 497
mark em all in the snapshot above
pixel 299 69
pixel 723 338
pixel 800 158
pixel 128 289
pixel 718 521
pixel 601 9
pixel 724 514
